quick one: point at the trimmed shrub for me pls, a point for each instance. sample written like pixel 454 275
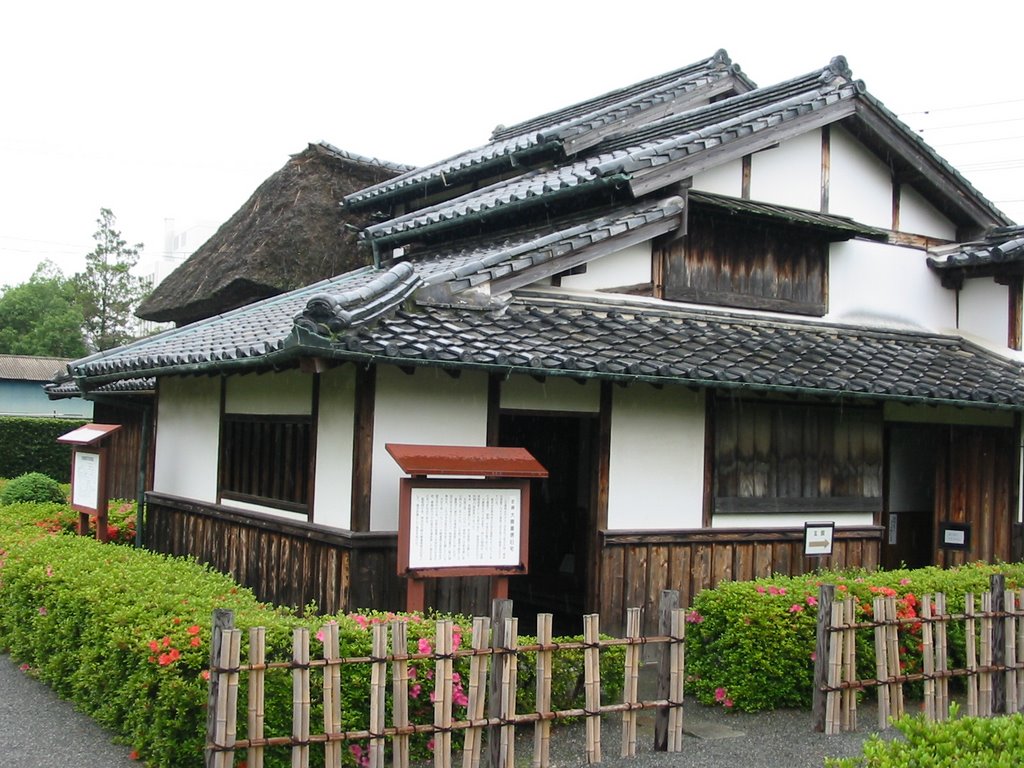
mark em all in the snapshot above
pixel 970 742
pixel 125 634
pixel 30 445
pixel 33 487
pixel 750 645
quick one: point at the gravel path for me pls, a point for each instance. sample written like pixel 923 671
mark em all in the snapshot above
pixel 38 729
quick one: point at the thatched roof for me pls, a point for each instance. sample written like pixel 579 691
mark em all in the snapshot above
pixel 290 233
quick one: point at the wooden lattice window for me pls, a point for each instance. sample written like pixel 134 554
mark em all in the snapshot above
pixel 266 460
pixel 783 457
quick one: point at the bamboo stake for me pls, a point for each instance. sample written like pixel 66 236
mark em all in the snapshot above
pixel 477 692
pixel 677 680
pixel 928 658
pixel 893 650
pixel 228 706
pixel 509 678
pixel 1018 607
pixel 378 694
pixel 443 694
pixel 971 642
pixel 545 659
pixel 631 683
pixel 257 679
pixel 985 678
pixel 400 692
pixel 881 663
pixel 592 686
pixel 835 671
pixel 300 698
pixel 941 659
pixel 332 694
pixel 1010 652
pixel 849 703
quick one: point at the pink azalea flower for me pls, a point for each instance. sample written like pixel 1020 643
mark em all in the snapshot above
pixel 795 608
pixel 42 610
pixel 727 703
pixel 693 617
pixel 415 691
pixel 812 600
pixel 760 589
pixel 904 582
pixel 320 635
pixel 424 645
pixel 720 694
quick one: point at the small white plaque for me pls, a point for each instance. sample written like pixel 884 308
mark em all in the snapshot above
pixel 818 539
pixel 464 527
pixel 954 537
pixel 893 528
pixel 86 491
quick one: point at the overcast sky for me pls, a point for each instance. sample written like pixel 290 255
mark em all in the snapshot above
pixel 179 110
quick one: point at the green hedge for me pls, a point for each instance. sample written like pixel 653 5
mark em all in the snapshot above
pixel 750 645
pixel 125 633
pixel 970 742
pixel 30 445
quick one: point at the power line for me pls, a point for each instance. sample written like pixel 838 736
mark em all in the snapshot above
pixel 964 106
pixel 970 125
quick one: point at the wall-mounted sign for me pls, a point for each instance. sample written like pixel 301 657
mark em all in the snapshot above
pixel 954 535
pixel 818 539
pixel 85 480
pixel 89 469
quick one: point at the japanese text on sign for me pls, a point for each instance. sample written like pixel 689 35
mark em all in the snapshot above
pixel 463 527
pixel 86 490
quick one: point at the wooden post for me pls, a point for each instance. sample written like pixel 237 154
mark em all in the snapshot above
pixel 833 699
pixel 881 663
pixel 592 686
pixel 630 686
pixel 300 698
pixel 971 643
pixel 985 677
pixel 677 681
pixel 849 702
pixel 509 687
pixel 826 595
pixel 500 611
pixel 415 599
pixel 400 691
pixel 669 603
pixel 443 631
pixel 477 692
pixel 223 620
pixel 941 659
pixel 257 713
pixel 378 694
pixel 997 586
pixel 928 659
pixel 545 658
pixel 1010 632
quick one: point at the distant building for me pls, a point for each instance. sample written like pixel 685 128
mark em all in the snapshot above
pixel 21 388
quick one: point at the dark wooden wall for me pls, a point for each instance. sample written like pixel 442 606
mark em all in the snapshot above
pixel 123 448
pixel 636 566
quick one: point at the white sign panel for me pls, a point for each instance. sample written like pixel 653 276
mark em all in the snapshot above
pixel 818 538
pixel 86 491
pixel 954 537
pixel 464 527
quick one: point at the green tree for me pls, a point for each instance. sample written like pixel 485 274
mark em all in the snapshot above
pixel 41 317
pixel 108 292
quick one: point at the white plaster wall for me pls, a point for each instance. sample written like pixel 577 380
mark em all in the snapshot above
pixel 919 217
pixel 860 185
pixel 427 407
pixel 187 437
pixel 876 282
pixel 332 495
pixel 630 266
pixel 287 393
pixel 724 179
pixel 274 511
pixel 553 394
pixel 656 467
pixel 984 310
pixel 789 174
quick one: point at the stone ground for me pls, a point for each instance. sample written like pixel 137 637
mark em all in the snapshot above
pixel 39 729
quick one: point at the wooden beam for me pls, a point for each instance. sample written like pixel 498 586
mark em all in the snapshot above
pixel 1015 289
pixel 647 180
pixel 362 446
pixel 582 256
pixel 897 190
pixel 745 166
pixel 826 165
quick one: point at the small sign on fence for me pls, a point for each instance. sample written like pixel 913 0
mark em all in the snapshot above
pixel 818 539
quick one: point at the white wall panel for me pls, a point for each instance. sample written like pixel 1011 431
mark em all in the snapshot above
pixel 187 437
pixel 860 185
pixel 789 174
pixel 918 217
pixel 984 310
pixel 332 498
pixel 630 266
pixel 553 394
pixel 656 468
pixel 876 280
pixel 428 407
pixel 724 179
pixel 287 393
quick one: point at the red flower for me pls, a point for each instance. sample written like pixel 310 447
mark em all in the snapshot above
pixel 154 646
pixel 133 755
pixel 196 642
pixel 193 630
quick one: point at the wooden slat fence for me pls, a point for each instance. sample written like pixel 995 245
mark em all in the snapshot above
pixel 493 667
pixel 993 670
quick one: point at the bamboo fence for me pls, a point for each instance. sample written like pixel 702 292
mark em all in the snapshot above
pixel 493 666
pixel 993 670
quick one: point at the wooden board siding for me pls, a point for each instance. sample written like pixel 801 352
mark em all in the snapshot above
pixel 731 262
pixel 123 448
pixel 284 562
pixel 637 565
pixel 975 484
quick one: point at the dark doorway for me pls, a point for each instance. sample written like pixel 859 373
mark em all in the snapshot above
pixel 559 515
pixel 909 518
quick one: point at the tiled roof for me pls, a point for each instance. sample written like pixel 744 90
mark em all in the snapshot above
pixel 363 159
pixel 69 388
pixel 796 216
pixel 29 368
pixel 1004 245
pixel 740 119
pixel 544 334
pixel 570 123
